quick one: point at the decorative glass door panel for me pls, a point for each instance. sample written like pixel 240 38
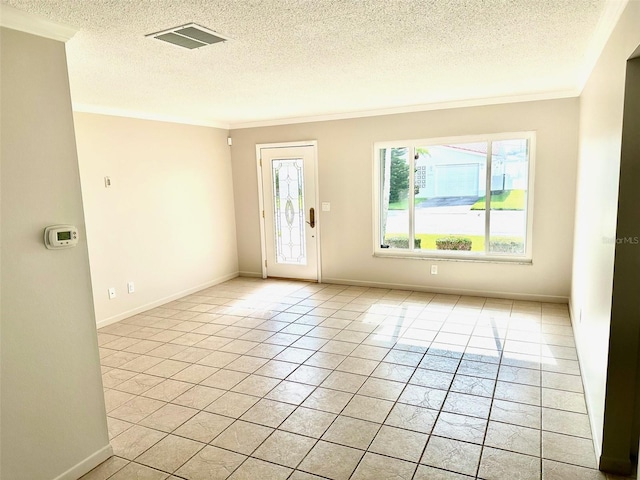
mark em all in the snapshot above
pixel 289 196
pixel 288 204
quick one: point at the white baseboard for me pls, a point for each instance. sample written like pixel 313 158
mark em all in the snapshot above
pixel 451 291
pixel 162 301
pixel 597 446
pixel 250 274
pixel 88 464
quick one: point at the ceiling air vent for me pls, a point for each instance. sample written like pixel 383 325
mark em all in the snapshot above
pixel 189 36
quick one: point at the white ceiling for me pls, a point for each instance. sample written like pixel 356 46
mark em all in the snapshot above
pixel 316 58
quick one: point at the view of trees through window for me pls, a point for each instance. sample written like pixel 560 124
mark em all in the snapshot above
pixel 469 197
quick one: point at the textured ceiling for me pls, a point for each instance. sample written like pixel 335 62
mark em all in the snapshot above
pixel 298 58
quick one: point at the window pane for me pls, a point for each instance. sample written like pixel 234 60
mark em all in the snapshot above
pixel 449 181
pixel 509 189
pixel 394 198
pixel 288 205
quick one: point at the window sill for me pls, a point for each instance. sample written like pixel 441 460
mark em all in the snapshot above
pixel 432 256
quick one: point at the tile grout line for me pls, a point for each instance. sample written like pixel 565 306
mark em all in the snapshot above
pixel 431 434
pixel 352 397
pixel 413 321
pixel 495 386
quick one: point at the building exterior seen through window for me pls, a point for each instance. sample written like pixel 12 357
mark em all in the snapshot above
pixel 466 197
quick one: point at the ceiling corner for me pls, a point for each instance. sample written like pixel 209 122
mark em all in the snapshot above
pixel 26 22
pixel 608 20
pixel 158 117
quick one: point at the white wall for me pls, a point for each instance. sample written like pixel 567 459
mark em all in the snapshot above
pixel 345 158
pixel 53 415
pixel 601 112
pixel 167 222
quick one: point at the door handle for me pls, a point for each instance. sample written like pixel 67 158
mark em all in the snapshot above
pixel 312 217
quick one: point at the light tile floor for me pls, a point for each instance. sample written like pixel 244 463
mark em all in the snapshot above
pixel 255 379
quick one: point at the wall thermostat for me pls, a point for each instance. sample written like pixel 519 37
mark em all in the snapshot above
pixel 60 236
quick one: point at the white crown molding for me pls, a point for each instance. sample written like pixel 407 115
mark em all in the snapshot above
pixel 476 102
pixel 26 22
pixel 473 102
pixel 121 112
pixel 608 20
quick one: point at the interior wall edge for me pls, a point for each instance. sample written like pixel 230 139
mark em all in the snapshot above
pixel 250 274
pixel 420 108
pixel 19 20
pixel 450 291
pixel 88 464
pixel 167 299
pixel 593 422
pixel 619 466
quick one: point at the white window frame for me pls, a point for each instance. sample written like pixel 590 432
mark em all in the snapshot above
pixel 527 258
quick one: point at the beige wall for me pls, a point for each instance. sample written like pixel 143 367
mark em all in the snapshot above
pixel 53 415
pixel 167 222
pixel 597 200
pixel 345 159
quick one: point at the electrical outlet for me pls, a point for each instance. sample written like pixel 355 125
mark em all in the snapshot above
pixel 130 287
pixel 434 269
pixel 112 293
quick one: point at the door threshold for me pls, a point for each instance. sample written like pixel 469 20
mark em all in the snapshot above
pixel 293 279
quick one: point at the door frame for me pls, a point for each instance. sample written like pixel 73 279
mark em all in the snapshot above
pixel 261 202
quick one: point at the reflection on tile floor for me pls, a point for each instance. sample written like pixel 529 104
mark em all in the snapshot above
pixel 255 379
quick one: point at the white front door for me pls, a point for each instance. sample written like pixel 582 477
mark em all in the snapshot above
pixel 289 210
